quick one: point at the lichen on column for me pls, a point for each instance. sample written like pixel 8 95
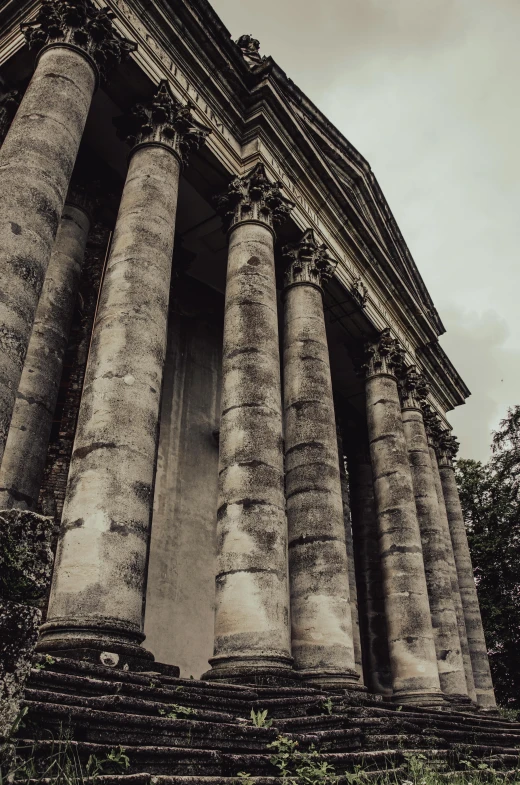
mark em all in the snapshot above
pixel 98 590
pixel 433 431
pixel 321 618
pixel 447 450
pixel 414 391
pixel 252 633
pixel 23 464
pixel 411 644
pixel 77 45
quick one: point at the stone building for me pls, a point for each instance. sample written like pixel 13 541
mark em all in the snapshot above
pixel 231 391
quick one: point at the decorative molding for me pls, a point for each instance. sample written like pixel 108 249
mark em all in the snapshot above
pixel 9 102
pixel 250 48
pixel 308 262
pixel 80 24
pixel 447 448
pixel 385 356
pixel 254 198
pixel 413 389
pixel 163 120
pixel 359 292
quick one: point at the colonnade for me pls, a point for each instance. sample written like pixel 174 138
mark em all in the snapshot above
pixel 286 595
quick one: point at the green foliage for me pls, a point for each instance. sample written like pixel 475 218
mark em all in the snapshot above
pixel 295 767
pixel 490 499
pixel 62 766
pixel 174 711
pixel 259 719
pixel 328 705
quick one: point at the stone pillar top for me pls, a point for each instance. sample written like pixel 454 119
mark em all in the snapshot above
pixel 254 198
pixel 162 121
pixel 308 262
pixel 447 449
pixel 382 357
pixel 80 25
pixel 413 388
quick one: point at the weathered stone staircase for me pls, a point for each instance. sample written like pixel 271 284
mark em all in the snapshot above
pixel 210 738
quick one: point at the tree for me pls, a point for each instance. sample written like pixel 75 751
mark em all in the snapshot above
pixel 490 498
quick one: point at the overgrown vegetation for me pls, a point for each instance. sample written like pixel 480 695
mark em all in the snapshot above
pixel 490 498
pixel 61 765
pixel 259 719
pixel 174 711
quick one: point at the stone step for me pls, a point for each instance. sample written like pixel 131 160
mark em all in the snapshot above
pixel 293 706
pixel 132 729
pixel 421 717
pixel 329 740
pixel 122 703
pixel 184 695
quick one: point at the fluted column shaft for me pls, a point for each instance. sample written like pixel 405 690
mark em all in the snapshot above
pixel 457 602
pixel 371 599
pixel 411 643
pixel 436 566
pixel 252 633
pixel 36 162
pixel 24 458
pixel 321 619
pixel 468 591
pixel 98 590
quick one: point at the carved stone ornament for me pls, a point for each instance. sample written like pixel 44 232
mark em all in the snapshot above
pixel 359 292
pixel 432 424
pixel 163 120
pixel 9 103
pixel 85 194
pixel 413 388
pixel 254 198
pixel 250 48
pixel 384 356
pixel 447 449
pixel 79 23
pixel 308 262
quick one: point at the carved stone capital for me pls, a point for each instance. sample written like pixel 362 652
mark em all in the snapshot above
pixel 432 424
pixel 250 48
pixel 382 357
pixel 413 388
pixel 308 262
pixel 254 198
pixel 359 292
pixel 9 102
pixel 85 195
pixel 165 121
pixel 80 24
pixel 447 448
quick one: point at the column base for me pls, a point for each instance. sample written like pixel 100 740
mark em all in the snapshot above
pixel 260 671
pixel 107 638
pixel 427 699
pixel 459 699
pixel 491 711
pixel 331 680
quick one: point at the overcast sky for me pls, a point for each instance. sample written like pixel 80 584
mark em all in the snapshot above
pixel 429 92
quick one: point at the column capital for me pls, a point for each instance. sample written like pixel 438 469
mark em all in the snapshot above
pixel 307 262
pixel 382 357
pixel 254 198
pixel 432 424
pixel 80 25
pixel 162 121
pixel 413 389
pixel 9 102
pixel 447 448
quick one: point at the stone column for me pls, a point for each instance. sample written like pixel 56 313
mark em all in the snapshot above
pixel 25 453
pixel 321 619
pixel 98 590
pixel 36 161
pixel 412 648
pixel 371 598
pixel 432 432
pixel 414 390
pixel 349 542
pixel 252 634
pixel 448 448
